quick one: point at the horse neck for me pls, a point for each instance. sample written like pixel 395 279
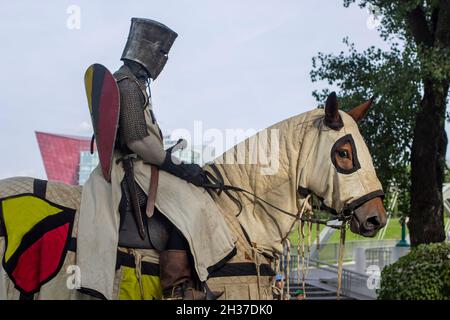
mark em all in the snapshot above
pixel 275 180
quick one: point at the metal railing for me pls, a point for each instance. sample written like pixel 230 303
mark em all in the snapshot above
pixel 380 257
pixel 329 252
pixel 354 282
pixel 351 280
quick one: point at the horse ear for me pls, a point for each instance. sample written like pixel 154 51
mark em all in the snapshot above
pixel 357 113
pixel 332 118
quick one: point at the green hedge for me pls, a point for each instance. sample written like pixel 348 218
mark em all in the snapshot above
pixel 423 274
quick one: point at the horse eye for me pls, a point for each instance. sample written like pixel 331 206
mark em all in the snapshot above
pixel 343 154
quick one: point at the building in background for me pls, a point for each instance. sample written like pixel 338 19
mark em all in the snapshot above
pixel 199 154
pixel 68 159
pixel 88 162
pixel 189 155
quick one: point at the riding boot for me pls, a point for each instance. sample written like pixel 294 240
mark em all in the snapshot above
pixel 176 277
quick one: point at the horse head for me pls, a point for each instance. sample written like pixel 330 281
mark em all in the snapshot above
pixel 339 169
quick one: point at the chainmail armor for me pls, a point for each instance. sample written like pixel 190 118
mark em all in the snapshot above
pixel 132 125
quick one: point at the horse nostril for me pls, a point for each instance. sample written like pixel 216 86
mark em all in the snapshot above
pixel 372 223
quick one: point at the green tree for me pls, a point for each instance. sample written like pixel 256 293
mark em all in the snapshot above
pixel 405 131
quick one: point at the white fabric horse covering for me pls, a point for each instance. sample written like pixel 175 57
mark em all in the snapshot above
pixel 303 159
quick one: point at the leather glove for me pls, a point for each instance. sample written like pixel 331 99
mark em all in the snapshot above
pixel 190 172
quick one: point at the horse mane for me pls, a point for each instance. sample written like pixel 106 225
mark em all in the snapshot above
pixel 293 138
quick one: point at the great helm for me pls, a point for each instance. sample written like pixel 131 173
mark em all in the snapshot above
pixel 148 44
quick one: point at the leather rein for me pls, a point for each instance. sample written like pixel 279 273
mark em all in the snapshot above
pixel 217 184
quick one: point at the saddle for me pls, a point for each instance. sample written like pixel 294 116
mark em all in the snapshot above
pixel 142 226
pixel 157 226
pixel 157 232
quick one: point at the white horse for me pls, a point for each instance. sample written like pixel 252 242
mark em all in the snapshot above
pixel 319 152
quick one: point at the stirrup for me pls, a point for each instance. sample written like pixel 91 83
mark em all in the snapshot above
pixel 179 292
pixel 172 295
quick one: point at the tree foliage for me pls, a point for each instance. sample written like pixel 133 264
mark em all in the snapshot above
pixel 423 27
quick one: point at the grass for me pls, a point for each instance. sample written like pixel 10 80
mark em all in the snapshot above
pixel 393 232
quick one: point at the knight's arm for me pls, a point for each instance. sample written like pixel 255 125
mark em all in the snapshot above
pixel 133 132
pixel 149 150
pixel 132 126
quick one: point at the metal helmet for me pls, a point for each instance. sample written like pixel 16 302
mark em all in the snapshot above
pixel 148 44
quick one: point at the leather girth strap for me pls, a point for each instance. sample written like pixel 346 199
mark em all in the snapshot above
pixel 151 199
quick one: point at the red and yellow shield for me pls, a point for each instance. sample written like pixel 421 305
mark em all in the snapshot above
pixel 104 106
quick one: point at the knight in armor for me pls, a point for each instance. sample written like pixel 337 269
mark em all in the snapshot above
pixel 144 57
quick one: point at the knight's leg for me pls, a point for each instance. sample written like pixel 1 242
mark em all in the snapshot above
pixel 176 240
pixel 177 275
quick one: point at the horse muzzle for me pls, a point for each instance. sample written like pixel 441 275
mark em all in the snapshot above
pixel 369 218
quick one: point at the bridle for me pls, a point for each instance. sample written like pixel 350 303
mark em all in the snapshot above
pixel 217 184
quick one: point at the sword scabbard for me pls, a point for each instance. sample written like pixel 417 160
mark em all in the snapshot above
pixel 127 164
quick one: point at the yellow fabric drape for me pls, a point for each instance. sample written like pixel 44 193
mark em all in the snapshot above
pixel 131 290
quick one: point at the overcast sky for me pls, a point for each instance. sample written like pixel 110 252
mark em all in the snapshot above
pixel 235 64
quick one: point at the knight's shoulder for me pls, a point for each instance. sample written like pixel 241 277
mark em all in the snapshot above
pixel 127 84
pixel 121 73
pixel 126 81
